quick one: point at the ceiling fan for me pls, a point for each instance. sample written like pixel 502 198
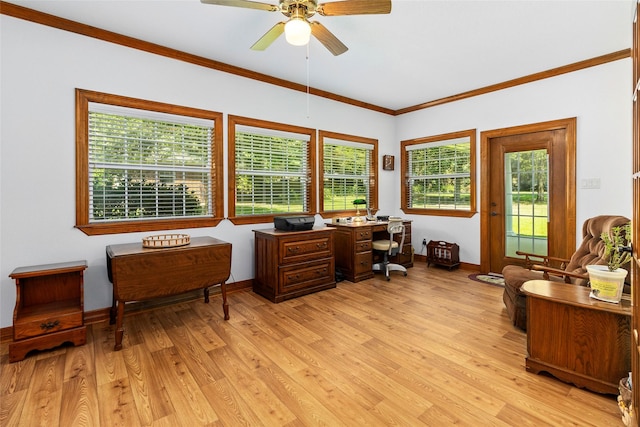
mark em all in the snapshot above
pixel 298 28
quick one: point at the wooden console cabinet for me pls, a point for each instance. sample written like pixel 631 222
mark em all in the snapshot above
pixel 49 307
pixel 576 338
pixel 293 263
pixel 354 255
pixel 140 273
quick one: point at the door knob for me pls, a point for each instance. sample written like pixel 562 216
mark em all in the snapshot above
pixel 622 249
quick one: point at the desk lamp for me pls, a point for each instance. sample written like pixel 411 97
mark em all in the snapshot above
pixel 357 203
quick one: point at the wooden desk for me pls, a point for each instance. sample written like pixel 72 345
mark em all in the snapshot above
pixel 576 338
pixel 139 273
pixel 354 255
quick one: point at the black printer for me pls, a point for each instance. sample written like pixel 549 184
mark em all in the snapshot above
pixel 294 223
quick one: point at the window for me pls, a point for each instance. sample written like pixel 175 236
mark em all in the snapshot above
pixel 349 172
pixel 145 166
pixel 439 175
pixel 271 170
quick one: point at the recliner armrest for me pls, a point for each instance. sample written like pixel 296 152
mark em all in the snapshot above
pixel 566 275
pixel 545 260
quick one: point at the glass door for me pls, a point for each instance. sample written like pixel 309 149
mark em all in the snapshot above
pixel 526 198
pixel 528 193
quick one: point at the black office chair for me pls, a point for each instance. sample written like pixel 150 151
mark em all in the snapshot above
pixel 390 248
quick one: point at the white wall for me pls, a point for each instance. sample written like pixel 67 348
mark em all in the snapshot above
pixel 600 99
pixel 42 66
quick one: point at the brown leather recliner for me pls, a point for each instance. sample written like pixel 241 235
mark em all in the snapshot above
pixel 572 271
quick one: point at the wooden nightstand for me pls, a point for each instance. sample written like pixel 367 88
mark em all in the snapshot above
pixel 49 307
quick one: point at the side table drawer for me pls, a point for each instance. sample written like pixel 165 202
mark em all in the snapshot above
pixel 34 327
pixel 301 276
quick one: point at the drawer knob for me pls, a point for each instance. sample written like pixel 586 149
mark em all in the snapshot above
pixel 49 325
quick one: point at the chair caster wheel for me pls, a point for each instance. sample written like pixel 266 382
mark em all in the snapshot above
pixel 388 278
pixel 405 274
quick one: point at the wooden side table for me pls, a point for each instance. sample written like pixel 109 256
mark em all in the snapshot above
pixel 575 338
pixel 49 307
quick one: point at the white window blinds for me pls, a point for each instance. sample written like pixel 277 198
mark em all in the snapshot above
pixel 271 171
pixel 440 174
pixel 145 165
pixel 347 173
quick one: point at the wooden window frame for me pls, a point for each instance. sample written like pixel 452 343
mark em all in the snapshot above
pixel 234 121
pixel 372 203
pixel 83 98
pixel 404 167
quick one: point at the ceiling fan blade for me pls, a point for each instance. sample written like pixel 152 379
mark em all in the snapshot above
pixel 355 7
pixel 244 3
pixel 325 37
pixel 269 37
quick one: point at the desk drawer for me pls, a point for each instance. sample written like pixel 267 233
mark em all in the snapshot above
pixel 403 257
pixel 306 275
pixel 363 246
pixel 299 250
pixel 407 233
pixel 363 234
pixel 362 263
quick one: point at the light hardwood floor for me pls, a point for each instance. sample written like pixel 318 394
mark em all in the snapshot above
pixel 434 348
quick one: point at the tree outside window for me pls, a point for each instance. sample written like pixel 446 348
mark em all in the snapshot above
pixel 439 174
pixel 271 170
pixel 349 172
pixel 145 166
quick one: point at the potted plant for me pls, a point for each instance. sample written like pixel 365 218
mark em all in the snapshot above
pixel 607 281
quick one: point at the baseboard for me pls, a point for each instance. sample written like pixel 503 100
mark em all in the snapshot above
pixel 6 334
pixel 102 314
pixel 462 266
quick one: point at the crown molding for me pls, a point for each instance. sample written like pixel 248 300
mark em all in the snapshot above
pixel 53 21
pixel 576 66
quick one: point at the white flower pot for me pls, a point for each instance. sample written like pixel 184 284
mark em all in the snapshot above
pixel 606 285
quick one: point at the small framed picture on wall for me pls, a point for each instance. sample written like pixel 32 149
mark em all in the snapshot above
pixel 387 162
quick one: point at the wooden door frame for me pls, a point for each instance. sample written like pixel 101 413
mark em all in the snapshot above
pixel 569 125
pixel 635 218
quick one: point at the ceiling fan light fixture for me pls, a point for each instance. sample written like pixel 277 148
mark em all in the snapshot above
pixel 297 31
